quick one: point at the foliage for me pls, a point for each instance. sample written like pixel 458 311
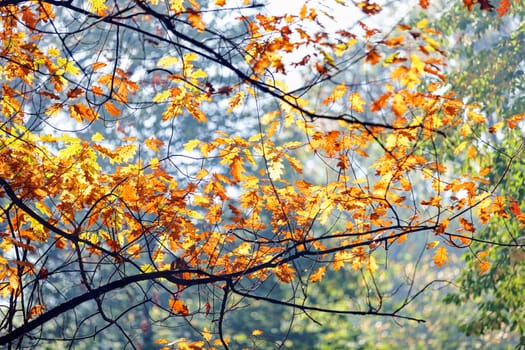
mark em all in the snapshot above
pixel 161 238
pixel 495 61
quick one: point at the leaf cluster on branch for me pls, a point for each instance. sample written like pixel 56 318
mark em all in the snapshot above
pixel 154 162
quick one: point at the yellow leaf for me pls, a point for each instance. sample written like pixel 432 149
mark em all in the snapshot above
pixel 476 117
pixel 67 67
pixel 162 96
pixel 356 102
pixel 461 147
pixel 257 332
pixel 190 145
pixel 494 128
pixel 405 184
pixel 220 2
pixel 146 268
pixel 43 208
pixel 440 258
pixel 417 64
pixel 199 73
pixel 465 130
pixel 54 109
pixel 97 137
pixel 71 150
pixel 194 215
pixel 275 169
pixel 371 264
pixel 422 24
pixel 202 173
pixel 177 5
pixel 244 249
pixel 206 334
pixel 98 6
pixel 167 61
pixel 53 51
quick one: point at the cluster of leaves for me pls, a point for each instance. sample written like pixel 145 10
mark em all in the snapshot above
pixel 497 293
pixel 247 208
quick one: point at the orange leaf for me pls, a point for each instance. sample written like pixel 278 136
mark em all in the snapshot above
pixel 195 20
pixel 318 275
pixel 484 266
pixel 98 65
pixel 178 306
pixel 112 109
pixel 236 168
pixel 514 207
pixel 469 4
pixel 440 258
pixel 36 311
pixel 81 112
pixel 373 56
pixel 153 144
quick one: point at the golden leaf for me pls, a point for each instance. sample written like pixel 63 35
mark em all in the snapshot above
pixel 440 257
pixel 257 332
pixel 318 275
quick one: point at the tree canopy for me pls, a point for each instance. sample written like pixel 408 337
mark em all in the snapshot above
pixel 167 165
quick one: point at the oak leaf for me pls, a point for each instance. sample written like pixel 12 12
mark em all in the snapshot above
pixel 440 257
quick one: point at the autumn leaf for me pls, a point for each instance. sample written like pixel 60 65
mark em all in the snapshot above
pixel 257 332
pixel 503 7
pixel 440 257
pixel 81 112
pixel 98 6
pixel 514 207
pixel 237 168
pixel 484 266
pixel 432 244
pixel 112 109
pixel 36 310
pixel 356 102
pixel 178 307
pixel 369 8
pixel 318 275
pixel 195 20
pixel 206 334
pixel 372 56
pixel 190 145
pixel 153 144
pixel 469 4
pixel 485 5
pixel 263 178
